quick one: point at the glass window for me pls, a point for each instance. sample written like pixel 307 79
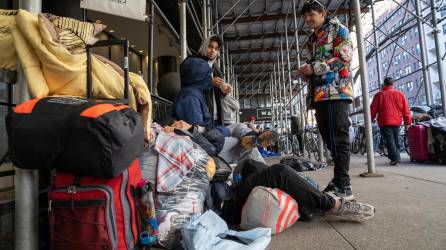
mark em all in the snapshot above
pixel 407 70
pixel 409 85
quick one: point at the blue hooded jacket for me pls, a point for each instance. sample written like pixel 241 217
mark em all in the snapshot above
pixel 190 105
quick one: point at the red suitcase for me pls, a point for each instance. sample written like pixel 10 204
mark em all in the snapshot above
pixel 417 136
pixel 94 213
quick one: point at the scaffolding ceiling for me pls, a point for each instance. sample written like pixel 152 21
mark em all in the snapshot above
pixel 253 31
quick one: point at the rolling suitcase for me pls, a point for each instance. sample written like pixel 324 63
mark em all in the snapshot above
pixel 94 213
pixel 417 136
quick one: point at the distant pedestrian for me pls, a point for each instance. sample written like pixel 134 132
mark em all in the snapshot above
pixel 392 107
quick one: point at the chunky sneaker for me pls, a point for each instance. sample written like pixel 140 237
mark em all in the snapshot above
pixel 345 192
pixel 393 163
pixel 264 139
pixel 351 212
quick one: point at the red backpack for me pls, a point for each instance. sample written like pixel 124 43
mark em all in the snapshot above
pixel 95 213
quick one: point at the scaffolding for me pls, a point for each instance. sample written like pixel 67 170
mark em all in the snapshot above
pixel 262 49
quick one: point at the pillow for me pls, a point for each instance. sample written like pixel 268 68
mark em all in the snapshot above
pixel 71 33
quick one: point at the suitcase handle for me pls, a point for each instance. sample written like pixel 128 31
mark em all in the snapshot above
pixel 109 43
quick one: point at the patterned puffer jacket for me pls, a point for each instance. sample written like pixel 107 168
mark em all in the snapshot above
pixel 331 52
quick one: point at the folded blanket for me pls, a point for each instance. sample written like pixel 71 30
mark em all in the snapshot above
pixel 177 156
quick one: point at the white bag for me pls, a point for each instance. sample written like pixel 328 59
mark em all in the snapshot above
pixel 270 208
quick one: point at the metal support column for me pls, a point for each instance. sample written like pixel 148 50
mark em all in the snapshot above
pixel 365 87
pixel 423 52
pixel 26 182
pixel 299 83
pixel 151 23
pixel 204 18
pixel 223 61
pixel 375 38
pixel 183 28
pixel 209 18
pixel 285 101
pixel 278 85
pixel 289 68
pixel 320 147
pixel 438 46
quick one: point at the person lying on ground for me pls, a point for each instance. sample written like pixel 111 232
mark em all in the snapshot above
pixel 288 180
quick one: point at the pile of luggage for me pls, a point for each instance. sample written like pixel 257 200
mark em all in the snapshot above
pixel 97 198
pixel 427 140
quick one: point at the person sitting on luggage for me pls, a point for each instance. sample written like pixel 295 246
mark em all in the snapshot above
pixel 285 178
pixel 190 107
pixel 391 107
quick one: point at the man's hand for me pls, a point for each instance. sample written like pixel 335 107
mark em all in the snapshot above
pixel 181 125
pixel 306 70
pixel 168 129
pixel 217 81
pixel 227 88
pixel 406 127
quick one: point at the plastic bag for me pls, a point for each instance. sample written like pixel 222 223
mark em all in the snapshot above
pixel 271 208
pixel 223 170
pixel 209 231
pixel 176 207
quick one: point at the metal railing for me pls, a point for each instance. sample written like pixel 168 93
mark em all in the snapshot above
pixel 6 106
pixel 161 110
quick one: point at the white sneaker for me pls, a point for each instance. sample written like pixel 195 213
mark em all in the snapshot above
pixel 352 212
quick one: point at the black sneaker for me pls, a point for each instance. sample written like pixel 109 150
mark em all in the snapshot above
pixel 351 212
pixel 344 192
pixel 393 163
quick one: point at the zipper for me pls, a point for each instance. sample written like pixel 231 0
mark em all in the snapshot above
pixel 111 220
pixel 130 240
pixel 84 203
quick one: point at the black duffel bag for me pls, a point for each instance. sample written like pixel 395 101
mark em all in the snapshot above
pixel 80 136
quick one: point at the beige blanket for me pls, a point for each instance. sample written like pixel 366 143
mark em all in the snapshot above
pixel 52 69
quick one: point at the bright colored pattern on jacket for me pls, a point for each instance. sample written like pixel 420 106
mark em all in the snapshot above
pixel 331 53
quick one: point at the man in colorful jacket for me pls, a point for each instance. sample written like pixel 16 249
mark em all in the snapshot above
pixel 329 79
pixel 392 107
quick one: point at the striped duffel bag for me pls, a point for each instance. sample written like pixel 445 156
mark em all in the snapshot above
pixel 270 208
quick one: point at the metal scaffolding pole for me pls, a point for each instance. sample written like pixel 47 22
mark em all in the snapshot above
pixel 165 19
pixel 26 182
pixel 271 100
pixel 231 70
pixel 223 61
pixel 282 66
pixel 277 78
pixel 204 18
pixel 288 66
pixel 226 55
pixel 424 63
pixel 365 88
pixel 276 98
pixel 438 46
pixel 299 81
pixel 151 23
pixel 209 18
pixel 375 38
pixel 183 28
pixel 197 26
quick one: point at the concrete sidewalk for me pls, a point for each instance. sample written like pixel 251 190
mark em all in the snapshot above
pixel 410 202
